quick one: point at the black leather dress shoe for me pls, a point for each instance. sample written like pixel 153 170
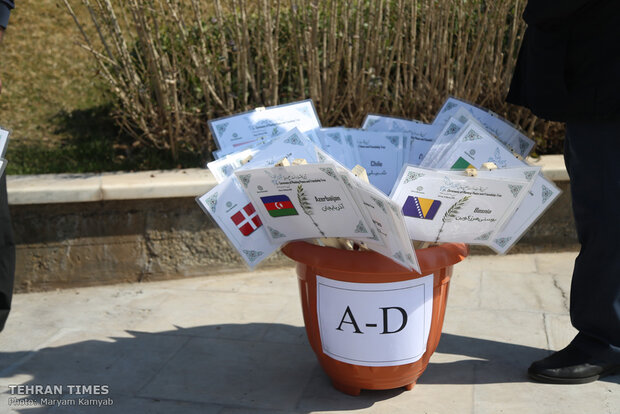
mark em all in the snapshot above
pixel 571 366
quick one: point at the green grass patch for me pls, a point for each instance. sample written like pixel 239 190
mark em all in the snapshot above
pixel 91 142
pixel 60 111
pixel 56 106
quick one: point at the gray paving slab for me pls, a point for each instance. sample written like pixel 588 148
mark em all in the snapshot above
pixel 560 263
pixel 247 373
pixel 182 311
pixel 137 405
pixel 523 263
pixel 20 403
pixel 522 291
pixel 465 288
pixel 235 344
pixel 126 362
pixel 600 397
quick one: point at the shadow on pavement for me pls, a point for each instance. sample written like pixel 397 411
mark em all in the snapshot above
pixel 264 366
pixel 488 362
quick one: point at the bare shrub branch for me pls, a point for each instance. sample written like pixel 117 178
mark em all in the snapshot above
pixel 174 64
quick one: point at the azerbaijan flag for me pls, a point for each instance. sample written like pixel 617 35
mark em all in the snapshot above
pixel 279 206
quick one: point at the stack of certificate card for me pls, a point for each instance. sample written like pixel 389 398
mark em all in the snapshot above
pixel 464 136
pixel 470 137
pixel 261 204
pixel 283 177
pixel 4 143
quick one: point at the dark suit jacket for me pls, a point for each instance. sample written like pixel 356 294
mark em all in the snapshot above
pixel 5 11
pixel 7 245
pixel 569 63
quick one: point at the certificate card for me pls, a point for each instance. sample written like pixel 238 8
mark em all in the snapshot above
pixel 387 223
pixel 304 201
pixel 4 140
pixel 540 196
pixel 338 142
pixel 420 142
pixel 443 141
pixel 237 217
pixel 441 206
pixel 382 155
pixel 240 131
pixel 291 145
pixel 506 132
pixel 475 146
pixel 224 167
pixel 401 229
pixel 388 234
pixel 421 136
pixel 313 135
pixel 374 122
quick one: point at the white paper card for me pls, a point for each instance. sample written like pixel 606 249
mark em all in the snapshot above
pixel 303 201
pixel 443 141
pixel 449 135
pixel 506 132
pixel 224 167
pixel 386 222
pixel 445 207
pixel 475 146
pixel 290 145
pixel 338 142
pixel 381 154
pixel 249 128
pixel 375 324
pixel 236 215
pixel 374 122
pixel 540 196
pixel 421 142
pixel 421 135
pixel 4 140
pixel 386 229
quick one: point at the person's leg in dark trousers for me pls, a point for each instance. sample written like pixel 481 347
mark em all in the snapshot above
pixel 591 154
pixel 7 256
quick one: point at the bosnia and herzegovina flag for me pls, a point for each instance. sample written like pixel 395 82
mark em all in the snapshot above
pixel 461 164
pixel 279 205
pixel 419 207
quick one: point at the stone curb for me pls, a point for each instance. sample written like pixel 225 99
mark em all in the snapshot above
pixel 77 188
pixel 93 229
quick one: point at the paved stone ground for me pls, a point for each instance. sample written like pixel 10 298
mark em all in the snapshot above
pixel 236 344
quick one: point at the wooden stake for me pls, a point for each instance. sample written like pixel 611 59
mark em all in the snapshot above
pixel 284 162
pixel 337 242
pixel 417 244
pixel 360 172
pixel 247 159
pixel 471 172
pixel 489 166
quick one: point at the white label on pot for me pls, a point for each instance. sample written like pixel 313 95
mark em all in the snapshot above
pixel 375 324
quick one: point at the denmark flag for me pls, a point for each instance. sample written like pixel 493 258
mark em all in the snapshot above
pixel 246 220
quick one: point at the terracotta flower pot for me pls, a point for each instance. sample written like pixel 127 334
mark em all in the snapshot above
pixel 367 269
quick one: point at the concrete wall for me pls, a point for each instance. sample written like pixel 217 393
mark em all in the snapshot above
pixel 91 243
pixel 119 232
